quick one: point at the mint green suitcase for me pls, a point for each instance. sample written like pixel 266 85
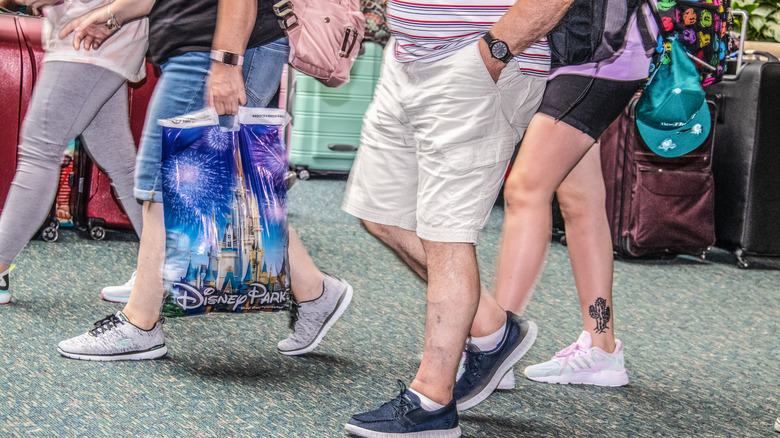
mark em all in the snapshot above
pixel 324 134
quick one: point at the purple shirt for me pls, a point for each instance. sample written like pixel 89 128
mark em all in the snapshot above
pixel 630 63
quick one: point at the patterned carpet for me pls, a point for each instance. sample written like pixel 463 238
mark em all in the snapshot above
pixel 701 340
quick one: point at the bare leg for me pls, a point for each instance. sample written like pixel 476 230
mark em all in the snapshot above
pixel 143 307
pixel 453 286
pixel 549 151
pixel 582 197
pixel 305 278
pixel 453 295
pixel 409 248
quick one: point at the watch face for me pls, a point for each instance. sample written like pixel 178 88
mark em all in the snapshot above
pixel 499 49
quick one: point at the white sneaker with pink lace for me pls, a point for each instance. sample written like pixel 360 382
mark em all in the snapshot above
pixel 582 363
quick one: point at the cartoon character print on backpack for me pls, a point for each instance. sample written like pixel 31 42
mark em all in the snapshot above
pixel 701 27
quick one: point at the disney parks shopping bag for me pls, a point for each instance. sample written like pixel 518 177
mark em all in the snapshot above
pixel 225 205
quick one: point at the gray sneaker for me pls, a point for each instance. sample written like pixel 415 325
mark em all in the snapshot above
pixel 311 320
pixel 116 338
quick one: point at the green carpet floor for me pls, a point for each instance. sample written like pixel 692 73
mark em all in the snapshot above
pixel 701 340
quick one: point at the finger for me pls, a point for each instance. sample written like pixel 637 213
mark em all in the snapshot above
pixel 69 27
pixel 242 100
pixel 219 107
pixel 87 42
pixel 78 35
pixel 96 45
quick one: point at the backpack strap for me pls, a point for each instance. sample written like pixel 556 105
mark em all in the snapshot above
pixel 648 40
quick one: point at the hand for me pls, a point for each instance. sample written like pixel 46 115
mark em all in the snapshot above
pixel 225 88
pixel 89 29
pixel 37 3
pixel 494 66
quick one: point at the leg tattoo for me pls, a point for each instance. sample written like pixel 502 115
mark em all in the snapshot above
pixel 600 312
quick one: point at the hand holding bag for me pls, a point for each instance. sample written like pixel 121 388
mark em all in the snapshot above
pixel 324 36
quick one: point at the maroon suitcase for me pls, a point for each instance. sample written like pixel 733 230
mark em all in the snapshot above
pixel 657 206
pixel 21 54
pixel 94 203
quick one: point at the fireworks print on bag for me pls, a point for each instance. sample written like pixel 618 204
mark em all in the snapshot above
pixel 226 248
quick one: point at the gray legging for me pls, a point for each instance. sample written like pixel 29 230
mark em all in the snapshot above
pixel 70 99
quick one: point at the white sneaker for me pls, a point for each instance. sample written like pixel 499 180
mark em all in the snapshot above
pixel 581 363
pixel 119 294
pixel 777 424
pixel 5 289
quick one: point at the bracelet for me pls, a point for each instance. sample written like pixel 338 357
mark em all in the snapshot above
pixel 228 58
pixel 112 22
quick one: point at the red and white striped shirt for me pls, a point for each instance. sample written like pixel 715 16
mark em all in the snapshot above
pixel 434 29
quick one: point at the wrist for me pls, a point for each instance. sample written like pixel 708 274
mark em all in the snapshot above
pixel 113 21
pixel 227 58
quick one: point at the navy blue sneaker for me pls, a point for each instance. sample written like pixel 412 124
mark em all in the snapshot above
pixel 404 417
pixel 484 369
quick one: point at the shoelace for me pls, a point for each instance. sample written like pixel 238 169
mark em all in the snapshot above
pixel 401 403
pixel 570 352
pixel 105 324
pixel 293 313
pixel 474 359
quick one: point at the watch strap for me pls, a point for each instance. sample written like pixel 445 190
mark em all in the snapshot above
pixel 229 58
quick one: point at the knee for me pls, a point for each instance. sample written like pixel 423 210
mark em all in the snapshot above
pixel 39 154
pixel 581 207
pixel 522 193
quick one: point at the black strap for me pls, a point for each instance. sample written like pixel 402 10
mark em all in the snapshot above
pixel 648 40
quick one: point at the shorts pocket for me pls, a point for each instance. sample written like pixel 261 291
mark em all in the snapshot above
pixel 475 154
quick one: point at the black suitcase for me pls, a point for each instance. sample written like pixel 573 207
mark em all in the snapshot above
pixel 746 163
pixel 657 207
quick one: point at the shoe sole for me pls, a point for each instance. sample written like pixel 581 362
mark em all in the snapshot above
pixel 777 425
pixel 517 354
pixel 143 355
pixel 507 381
pixel 114 300
pixel 443 433
pixel 5 299
pixel 608 378
pixel 344 301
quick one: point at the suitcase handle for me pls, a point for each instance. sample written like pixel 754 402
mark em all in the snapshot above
pixel 342 147
pixel 742 37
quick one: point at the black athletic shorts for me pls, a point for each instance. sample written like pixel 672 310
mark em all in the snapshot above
pixel 596 110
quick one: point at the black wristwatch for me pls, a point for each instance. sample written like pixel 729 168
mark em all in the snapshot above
pixel 498 49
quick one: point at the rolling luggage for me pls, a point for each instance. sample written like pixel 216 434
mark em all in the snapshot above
pixel 21 54
pixel 325 130
pixel 656 206
pixel 93 202
pixel 746 163
pixel 94 205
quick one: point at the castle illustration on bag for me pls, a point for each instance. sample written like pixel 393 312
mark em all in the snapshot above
pixel 234 276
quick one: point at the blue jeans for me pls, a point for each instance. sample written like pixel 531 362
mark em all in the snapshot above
pixel 181 89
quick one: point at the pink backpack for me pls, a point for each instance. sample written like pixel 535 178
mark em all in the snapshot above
pixel 324 35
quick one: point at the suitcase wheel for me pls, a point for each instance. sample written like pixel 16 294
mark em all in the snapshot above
pixel 97 233
pixel 50 233
pixel 304 174
pixel 742 262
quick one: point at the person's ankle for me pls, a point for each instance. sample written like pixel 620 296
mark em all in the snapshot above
pixel 606 343
pixel 441 396
pixel 143 322
pixel 311 291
